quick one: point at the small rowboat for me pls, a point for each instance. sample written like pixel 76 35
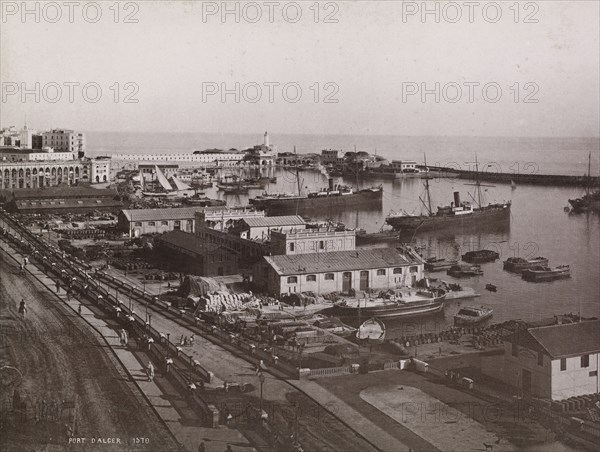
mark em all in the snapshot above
pixel 470 315
pixel 373 329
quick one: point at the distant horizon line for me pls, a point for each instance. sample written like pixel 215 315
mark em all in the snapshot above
pixel 348 134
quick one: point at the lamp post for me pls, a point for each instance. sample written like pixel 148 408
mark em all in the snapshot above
pixel 261 378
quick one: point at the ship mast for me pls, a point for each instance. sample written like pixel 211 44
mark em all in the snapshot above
pixel 297 173
pixel 427 187
pixel 477 182
pixel 589 178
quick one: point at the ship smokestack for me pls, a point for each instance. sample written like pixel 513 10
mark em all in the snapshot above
pixel 457 199
pixel 330 184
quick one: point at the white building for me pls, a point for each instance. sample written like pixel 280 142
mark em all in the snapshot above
pixel 338 271
pixel 259 228
pixel 404 165
pixel 64 140
pixel 100 170
pixel 554 362
pixel 307 241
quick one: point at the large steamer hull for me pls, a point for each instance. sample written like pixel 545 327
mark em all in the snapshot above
pixel 392 312
pixel 318 206
pixel 430 223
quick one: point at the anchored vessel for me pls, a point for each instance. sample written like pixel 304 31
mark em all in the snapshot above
pixel 480 256
pixel 542 274
pixel 408 304
pixel 460 271
pixel 518 264
pixel 462 214
pixel 591 199
pixel 334 197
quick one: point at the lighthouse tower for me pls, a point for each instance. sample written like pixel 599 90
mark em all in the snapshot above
pixel 266 139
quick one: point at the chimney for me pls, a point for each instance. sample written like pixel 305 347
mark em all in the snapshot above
pixel 457 199
pixel 330 184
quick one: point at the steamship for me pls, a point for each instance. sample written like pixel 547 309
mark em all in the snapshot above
pixel 322 201
pixel 458 213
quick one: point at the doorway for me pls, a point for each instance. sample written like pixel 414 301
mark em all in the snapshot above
pixel 364 280
pixel 346 282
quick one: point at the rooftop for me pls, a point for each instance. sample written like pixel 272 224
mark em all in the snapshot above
pixel 189 242
pixel 301 264
pixel 177 213
pixel 67 204
pixel 569 339
pixel 283 220
pixel 63 192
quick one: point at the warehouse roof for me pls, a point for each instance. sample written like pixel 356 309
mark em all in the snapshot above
pixel 301 264
pixel 283 220
pixel 569 339
pixel 178 213
pixel 189 242
pixel 63 192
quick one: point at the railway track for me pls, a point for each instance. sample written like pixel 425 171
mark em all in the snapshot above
pixel 76 275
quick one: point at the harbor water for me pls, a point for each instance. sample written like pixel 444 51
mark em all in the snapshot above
pixel 539 225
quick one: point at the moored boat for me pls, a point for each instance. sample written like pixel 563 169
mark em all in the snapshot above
pixel 518 264
pixel 480 256
pixel 470 315
pixel 543 274
pixel 457 214
pixel 438 264
pixel 405 304
pixel 320 202
pixel 464 271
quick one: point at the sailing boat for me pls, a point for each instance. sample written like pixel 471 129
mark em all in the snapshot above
pixel 167 188
pixel 458 213
pixel 591 200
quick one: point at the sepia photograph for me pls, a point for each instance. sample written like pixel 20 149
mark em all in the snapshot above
pixel 299 226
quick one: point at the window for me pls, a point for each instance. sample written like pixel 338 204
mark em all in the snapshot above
pixel 585 361
pixel 151 223
pixel 164 223
pixel 321 245
pixel 594 373
pixel 291 247
pixel 563 364
pixel 515 350
pixel 292 279
pixel 311 277
pixel 540 359
pixel 397 271
pixel 138 223
pixel 381 272
pixel 329 277
pixel 414 269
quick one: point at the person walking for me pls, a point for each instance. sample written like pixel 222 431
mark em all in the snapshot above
pixel 22 308
pixel 150 371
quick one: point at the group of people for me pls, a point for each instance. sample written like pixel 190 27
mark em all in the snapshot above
pixel 185 341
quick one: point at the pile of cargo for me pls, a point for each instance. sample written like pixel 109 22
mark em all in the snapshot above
pixel 218 302
pixel 129 264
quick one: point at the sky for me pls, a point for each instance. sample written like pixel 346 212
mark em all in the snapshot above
pixel 354 67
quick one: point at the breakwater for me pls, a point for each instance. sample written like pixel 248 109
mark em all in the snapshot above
pixel 517 178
